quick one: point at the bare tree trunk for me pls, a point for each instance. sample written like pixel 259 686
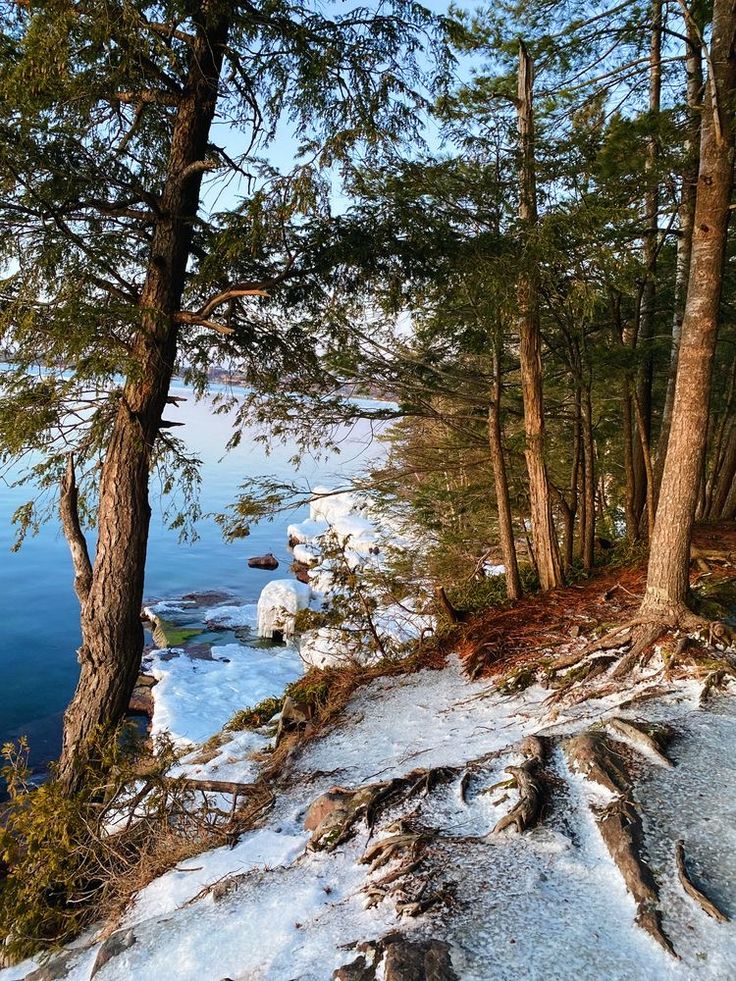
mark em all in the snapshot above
pixel 543 531
pixel 587 531
pixel 667 576
pixel 500 477
pixel 631 470
pixel 112 635
pixel 686 211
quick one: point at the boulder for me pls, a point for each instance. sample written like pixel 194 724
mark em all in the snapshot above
pixel 268 562
pixel 141 701
pixel 55 969
pixel 112 947
pixel 278 605
pixel 357 970
pixel 427 960
pixel 291 718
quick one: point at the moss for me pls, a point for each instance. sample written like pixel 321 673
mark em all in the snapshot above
pixel 256 717
pixel 715 598
pixel 516 681
pixel 172 634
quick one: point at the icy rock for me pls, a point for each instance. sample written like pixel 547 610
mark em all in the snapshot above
pixel 113 946
pixel 230 617
pixel 55 969
pixel 307 554
pixel 278 605
pixel 305 532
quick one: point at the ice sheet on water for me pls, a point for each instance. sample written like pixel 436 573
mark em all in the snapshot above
pixel 194 698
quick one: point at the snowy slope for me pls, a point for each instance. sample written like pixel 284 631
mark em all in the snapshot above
pixel 548 904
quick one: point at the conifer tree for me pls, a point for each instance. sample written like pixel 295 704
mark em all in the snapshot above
pixel 112 112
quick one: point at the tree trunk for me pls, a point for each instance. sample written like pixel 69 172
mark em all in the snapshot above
pixel 667 576
pixel 500 477
pixel 686 212
pixel 112 634
pixel 651 219
pixel 587 531
pixel 543 532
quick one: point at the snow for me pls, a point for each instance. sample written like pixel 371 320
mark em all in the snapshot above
pixel 547 904
pixel 278 604
pixel 306 554
pixel 231 617
pixel 264 848
pixel 195 698
pixel 328 506
pixel 491 570
pixel 306 531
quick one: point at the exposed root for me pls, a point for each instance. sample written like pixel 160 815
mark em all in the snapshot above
pixel 592 754
pixel 647 739
pixel 532 793
pixel 707 905
pixel 621 830
pixel 717 679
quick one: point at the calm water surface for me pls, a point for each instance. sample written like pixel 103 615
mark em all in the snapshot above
pixel 38 607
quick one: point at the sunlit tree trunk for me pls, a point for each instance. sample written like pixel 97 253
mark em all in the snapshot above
pixel 112 634
pixel 667 577
pixel 544 538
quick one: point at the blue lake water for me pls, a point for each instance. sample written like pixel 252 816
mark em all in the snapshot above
pixel 38 608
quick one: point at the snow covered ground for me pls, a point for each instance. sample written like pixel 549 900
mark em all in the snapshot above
pixel 548 904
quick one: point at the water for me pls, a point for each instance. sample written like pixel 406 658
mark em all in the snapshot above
pixel 38 608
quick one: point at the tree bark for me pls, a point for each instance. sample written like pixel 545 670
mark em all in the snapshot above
pixel 543 531
pixel 500 477
pixel 686 211
pixel 587 531
pixel 667 576
pixel 112 634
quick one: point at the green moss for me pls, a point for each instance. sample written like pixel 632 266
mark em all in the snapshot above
pixel 256 717
pixel 168 634
pixel 516 681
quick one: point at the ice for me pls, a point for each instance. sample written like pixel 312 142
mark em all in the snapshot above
pixel 195 698
pixel 306 531
pixel 231 617
pixel 278 604
pixel 307 554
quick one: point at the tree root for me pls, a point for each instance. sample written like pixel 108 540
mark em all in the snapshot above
pixel 532 792
pixel 646 739
pixel 707 905
pixel 592 754
pixel 620 826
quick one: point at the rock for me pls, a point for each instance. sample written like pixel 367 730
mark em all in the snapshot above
pixel 268 562
pixel 327 806
pixel 54 969
pixel 400 960
pixel 141 701
pixel 427 960
pixel 331 816
pixel 211 597
pixel 112 947
pixel 301 571
pixel 357 970
pixel 291 717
